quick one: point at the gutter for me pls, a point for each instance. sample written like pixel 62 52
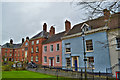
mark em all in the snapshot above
pixel 87 32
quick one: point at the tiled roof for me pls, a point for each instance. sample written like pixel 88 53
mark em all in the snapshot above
pixel 8 45
pixel 54 38
pixel 41 34
pixel 96 23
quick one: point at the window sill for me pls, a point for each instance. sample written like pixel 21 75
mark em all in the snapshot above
pixel 68 53
pixel 117 49
pixel 57 62
pixel 89 51
pixel 45 62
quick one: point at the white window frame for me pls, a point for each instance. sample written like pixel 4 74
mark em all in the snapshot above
pixel 37 42
pixel 88 65
pixel 51 47
pixel 66 62
pixel 5 54
pixel 32 43
pixel 117 44
pixel 31 58
pixel 36 59
pixel 44 48
pixel 26 53
pixel 86 46
pixel 67 45
pixel 37 49
pixel 56 46
pixel 32 50
pixel 44 59
pixel 56 59
pixel 5 59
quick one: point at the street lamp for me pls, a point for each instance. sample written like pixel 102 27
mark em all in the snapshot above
pixel 83 36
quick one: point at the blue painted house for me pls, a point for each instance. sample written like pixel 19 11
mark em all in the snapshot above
pixel 97 55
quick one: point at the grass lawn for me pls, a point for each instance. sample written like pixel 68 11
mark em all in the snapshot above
pixel 25 74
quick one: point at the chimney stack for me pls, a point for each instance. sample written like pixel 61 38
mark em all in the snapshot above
pixel 45 27
pixel 106 15
pixel 27 38
pixel 67 25
pixel 11 41
pixel 52 31
pixel 22 40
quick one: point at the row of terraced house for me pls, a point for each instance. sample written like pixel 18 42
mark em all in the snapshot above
pixel 66 49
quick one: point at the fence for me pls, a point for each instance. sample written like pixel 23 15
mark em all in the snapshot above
pixel 70 72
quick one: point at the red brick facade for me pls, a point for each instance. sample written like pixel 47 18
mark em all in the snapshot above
pixel 34 52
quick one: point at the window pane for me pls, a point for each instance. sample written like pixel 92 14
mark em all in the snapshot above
pixel 32 42
pixel 37 49
pixel 37 42
pixel 57 47
pixel 118 42
pixel 31 58
pixel 68 62
pixel 51 48
pixel 89 45
pixel 68 49
pixel 36 58
pixel 90 62
pixel 57 58
pixel 45 59
pixel 45 48
pixel 32 50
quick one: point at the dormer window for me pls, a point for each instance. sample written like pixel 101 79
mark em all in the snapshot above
pixel 85 27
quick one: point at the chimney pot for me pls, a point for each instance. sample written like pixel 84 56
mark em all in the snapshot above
pixel 11 41
pixel 52 31
pixel 106 14
pixel 67 25
pixel 22 40
pixel 45 27
pixel 27 38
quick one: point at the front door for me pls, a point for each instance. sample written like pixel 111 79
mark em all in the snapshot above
pixel 51 62
pixel 75 65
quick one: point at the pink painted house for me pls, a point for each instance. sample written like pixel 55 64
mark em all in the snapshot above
pixel 52 47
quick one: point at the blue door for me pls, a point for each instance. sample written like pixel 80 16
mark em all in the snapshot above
pixel 75 65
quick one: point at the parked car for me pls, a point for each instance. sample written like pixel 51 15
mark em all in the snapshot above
pixel 32 65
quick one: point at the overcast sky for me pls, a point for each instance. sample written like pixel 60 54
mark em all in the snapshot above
pixel 21 19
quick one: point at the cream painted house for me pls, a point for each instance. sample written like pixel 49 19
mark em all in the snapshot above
pixel 114 49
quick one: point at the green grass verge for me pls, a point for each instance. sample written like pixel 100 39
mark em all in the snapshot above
pixel 25 74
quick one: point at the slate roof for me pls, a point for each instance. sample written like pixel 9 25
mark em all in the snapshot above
pixel 54 38
pixel 97 23
pixel 8 45
pixel 41 34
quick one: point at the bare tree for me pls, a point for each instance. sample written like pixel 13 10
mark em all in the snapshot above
pixel 95 9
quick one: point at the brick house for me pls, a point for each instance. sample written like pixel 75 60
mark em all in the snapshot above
pixel 35 45
pixel 52 47
pixel 14 52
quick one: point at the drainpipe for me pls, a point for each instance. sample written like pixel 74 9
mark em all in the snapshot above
pixel 108 47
